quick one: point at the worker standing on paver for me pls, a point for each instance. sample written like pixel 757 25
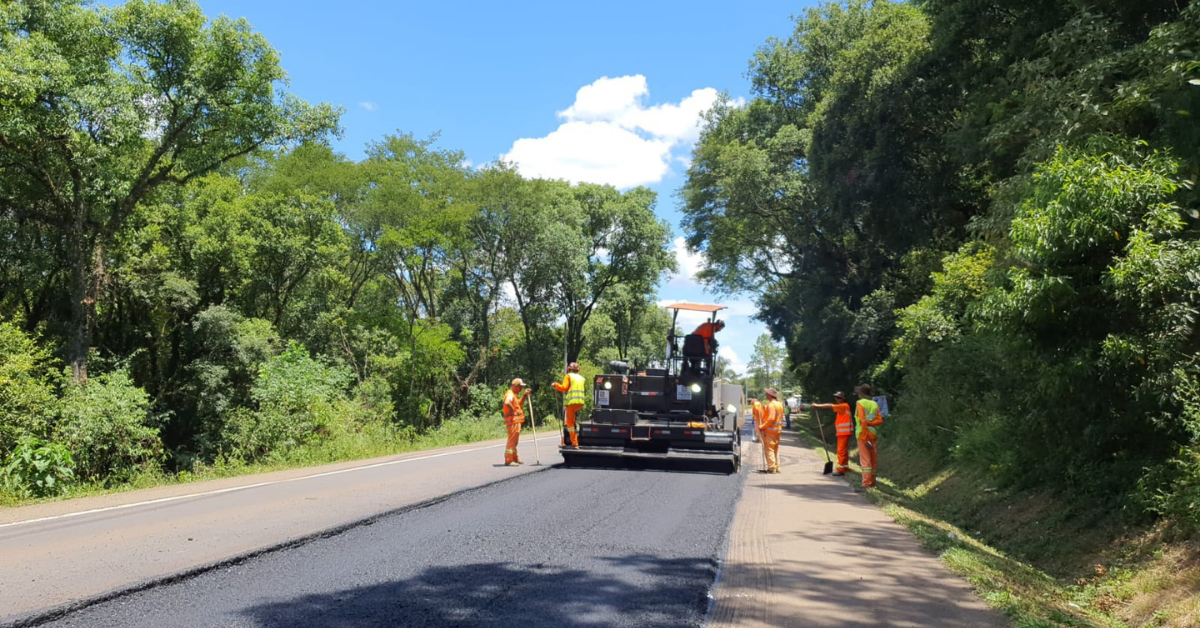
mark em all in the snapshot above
pixel 572 387
pixel 771 426
pixel 708 330
pixel 868 417
pixel 844 425
pixel 514 418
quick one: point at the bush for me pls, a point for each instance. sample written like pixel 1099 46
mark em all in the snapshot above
pixel 26 395
pixel 232 348
pixel 38 468
pixel 299 401
pixel 103 424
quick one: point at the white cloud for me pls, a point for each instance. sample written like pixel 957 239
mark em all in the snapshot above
pixel 735 362
pixel 368 105
pixel 609 135
pixel 689 264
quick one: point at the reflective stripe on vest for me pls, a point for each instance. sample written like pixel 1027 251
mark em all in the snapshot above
pixel 845 425
pixel 870 409
pixel 773 418
pixel 512 410
pixel 575 396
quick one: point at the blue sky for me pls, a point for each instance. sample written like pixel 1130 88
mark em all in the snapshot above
pixel 526 82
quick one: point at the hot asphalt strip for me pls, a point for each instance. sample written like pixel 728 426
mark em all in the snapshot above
pixel 806 550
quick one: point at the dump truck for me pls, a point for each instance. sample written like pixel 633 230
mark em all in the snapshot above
pixel 678 412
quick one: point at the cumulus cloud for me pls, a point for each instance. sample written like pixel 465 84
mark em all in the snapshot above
pixel 689 264
pixel 735 362
pixel 368 105
pixel 610 135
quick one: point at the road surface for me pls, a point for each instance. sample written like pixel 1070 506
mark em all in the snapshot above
pixel 560 547
pixel 62 552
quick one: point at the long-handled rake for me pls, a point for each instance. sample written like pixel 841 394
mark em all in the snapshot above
pixel 824 444
pixel 537 460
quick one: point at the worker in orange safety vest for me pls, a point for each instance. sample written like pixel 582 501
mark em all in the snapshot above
pixel 514 417
pixel 844 425
pixel 756 413
pixel 868 418
pixel 771 426
pixel 708 331
pixel 572 387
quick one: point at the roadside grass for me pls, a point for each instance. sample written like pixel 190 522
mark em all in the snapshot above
pixel 370 442
pixel 1042 562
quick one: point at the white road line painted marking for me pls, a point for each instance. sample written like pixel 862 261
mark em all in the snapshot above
pixel 250 486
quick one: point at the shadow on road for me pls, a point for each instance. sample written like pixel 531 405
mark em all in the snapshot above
pixel 639 591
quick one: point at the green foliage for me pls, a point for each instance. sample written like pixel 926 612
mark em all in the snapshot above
pixel 136 98
pixel 26 394
pixel 297 403
pixel 231 350
pixel 167 212
pixel 38 468
pixel 104 425
pixel 990 209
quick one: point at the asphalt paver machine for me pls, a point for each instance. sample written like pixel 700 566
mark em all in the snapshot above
pixel 678 413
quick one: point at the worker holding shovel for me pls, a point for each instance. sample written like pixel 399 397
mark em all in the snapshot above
pixel 844 425
pixel 514 417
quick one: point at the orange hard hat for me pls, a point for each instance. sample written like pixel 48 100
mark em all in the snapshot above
pixel 574 367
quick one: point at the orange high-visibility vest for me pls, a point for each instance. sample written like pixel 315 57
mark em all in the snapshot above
pixel 773 417
pixel 843 423
pixel 513 412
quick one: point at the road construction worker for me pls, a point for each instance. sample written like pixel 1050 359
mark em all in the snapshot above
pixel 771 426
pixel 867 419
pixel 756 413
pixel 514 418
pixel 572 387
pixel 844 425
pixel 709 331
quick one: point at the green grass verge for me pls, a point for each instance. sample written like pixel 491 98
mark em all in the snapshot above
pixel 1042 563
pixel 359 445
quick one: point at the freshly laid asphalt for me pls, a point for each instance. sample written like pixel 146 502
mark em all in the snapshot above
pixel 65 553
pixel 559 547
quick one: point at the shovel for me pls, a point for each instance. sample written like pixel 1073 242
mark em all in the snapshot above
pixel 824 445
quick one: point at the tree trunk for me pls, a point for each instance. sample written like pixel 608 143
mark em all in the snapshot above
pixel 83 305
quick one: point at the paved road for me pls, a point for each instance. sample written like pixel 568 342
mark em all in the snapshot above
pixel 560 547
pixel 56 553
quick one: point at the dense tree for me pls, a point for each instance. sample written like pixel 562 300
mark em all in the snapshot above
pixel 104 106
pixel 988 209
pixel 172 221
